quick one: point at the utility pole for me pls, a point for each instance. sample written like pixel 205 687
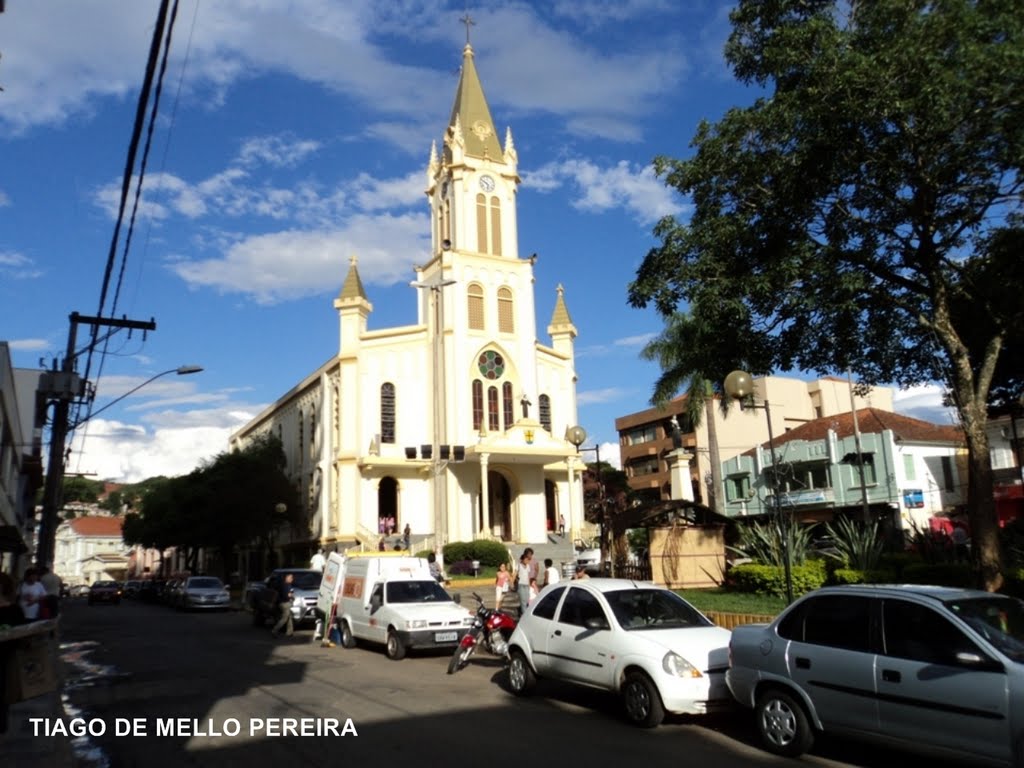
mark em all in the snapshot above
pixel 63 387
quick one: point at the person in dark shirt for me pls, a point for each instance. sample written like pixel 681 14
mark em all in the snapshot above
pixel 10 612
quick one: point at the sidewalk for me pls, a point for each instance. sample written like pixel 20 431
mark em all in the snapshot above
pixel 21 749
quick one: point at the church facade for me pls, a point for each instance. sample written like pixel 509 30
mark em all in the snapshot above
pixel 455 426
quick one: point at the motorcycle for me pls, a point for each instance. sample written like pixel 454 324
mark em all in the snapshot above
pixel 491 629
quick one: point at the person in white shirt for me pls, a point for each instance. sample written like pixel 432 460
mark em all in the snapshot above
pixel 317 561
pixel 551 575
pixel 31 595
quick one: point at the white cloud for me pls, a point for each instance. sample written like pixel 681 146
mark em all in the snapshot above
pixel 635 341
pixel 594 396
pixel 924 402
pixel 16 266
pixel 61 58
pixel 635 189
pixel 5 200
pixel 29 345
pixel 295 263
pixel 279 151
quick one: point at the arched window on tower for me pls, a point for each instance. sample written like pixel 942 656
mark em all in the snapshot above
pixel 506 322
pixel 478 404
pixel 493 423
pixel 475 306
pixel 481 223
pixel 544 408
pixel 495 226
pixel 387 412
pixel 507 405
pixel 488 224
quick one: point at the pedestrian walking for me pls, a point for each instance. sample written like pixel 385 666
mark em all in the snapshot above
pixel 561 525
pixel 407 538
pixel 284 607
pixel 526 579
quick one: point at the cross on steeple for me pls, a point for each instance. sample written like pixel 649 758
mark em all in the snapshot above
pixel 468 21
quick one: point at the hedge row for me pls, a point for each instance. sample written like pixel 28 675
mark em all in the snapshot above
pixel 489 553
pixel 771 580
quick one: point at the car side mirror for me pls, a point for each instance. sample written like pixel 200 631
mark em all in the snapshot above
pixel 595 623
pixel 977 661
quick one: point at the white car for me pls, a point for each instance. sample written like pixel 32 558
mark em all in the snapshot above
pixel 633 638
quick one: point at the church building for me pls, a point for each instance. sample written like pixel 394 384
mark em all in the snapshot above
pixel 455 426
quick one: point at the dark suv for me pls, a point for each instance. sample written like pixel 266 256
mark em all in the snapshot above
pixel 305 587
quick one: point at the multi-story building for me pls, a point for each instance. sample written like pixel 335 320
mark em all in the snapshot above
pixel 645 437
pixel 1006 447
pixel 21 468
pixel 912 470
pixel 90 548
pixel 454 425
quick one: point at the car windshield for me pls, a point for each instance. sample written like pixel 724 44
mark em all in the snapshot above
pixel 205 583
pixel 653 609
pixel 1000 620
pixel 415 592
pixel 306 579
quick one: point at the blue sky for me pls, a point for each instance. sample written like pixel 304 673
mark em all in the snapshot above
pixel 293 135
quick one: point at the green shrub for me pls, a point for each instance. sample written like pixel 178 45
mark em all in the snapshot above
pixel 941 574
pixel 854 576
pixel 857 544
pixel 771 579
pixel 847 576
pixel 762 542
pixel 489 553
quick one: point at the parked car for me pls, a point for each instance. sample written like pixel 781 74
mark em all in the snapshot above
pixel 306 589
pixel 637 639
pixel 131 588
pixel 170 594
pixel 933 669
pixel 588 555
pixel 80 590
pixel 204 593
pixel 105 592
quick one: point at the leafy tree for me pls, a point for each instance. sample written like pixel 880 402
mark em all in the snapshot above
pixel 80 489
pixel 841 219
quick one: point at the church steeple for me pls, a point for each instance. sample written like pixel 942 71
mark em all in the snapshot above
pixel 471 116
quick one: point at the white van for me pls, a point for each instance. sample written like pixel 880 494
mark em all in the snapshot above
pixel 395 601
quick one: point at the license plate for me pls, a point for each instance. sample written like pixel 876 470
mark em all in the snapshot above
pixel 446 637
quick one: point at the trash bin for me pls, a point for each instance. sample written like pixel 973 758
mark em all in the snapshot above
pixel 476 567
pixel 568 569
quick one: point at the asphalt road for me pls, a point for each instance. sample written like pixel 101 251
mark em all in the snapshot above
pixel 148 664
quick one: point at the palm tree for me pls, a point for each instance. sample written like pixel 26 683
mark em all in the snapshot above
pixel 670 349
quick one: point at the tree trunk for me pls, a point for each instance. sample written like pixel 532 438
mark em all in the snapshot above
pixel 986 554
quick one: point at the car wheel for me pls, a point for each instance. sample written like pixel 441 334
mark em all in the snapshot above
pixel 395 648
pixel 521 678
pixel 642 700
pixel 348 640
pixel 782 724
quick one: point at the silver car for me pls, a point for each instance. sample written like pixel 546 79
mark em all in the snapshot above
pixel 932 669
pixel 204 593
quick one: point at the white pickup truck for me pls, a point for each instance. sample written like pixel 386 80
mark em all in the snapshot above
pixel 393 600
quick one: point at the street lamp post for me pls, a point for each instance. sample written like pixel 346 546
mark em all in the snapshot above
pixel 577 436
pixel 740 386
pixel 55 468
pixel 439 489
